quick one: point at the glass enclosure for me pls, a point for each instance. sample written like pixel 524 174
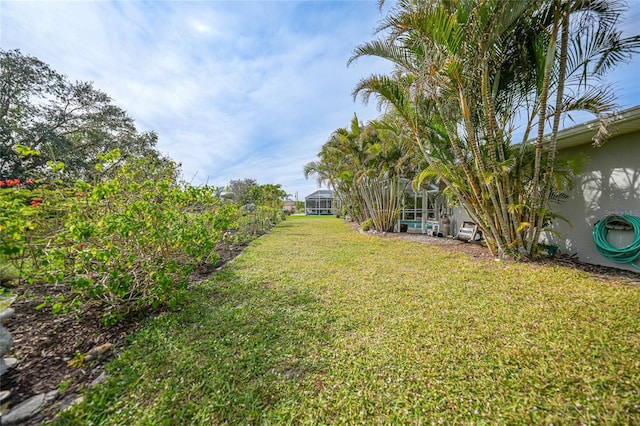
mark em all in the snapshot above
pixel 420 210
pixel 319 203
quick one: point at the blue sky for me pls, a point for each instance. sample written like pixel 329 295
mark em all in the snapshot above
pixel 234 89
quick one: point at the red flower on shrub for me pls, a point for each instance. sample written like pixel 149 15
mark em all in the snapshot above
pixel 2 183
pixel 35 203
pixel 30 181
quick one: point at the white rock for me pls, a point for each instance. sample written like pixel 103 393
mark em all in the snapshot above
pixel 6 314
pixel 5 364
pixel 6 341
pixel 29 408
pixel 99 379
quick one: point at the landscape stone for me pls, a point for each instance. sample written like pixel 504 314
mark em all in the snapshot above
pixel 3 366
pixel 67 401
pixel 6 341
pixel 99 379
pixel 98 352
pixel 29 408
pixel 6 363
pixel 6 314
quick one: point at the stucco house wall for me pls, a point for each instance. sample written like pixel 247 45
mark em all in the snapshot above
pixel 609 184
pixel 458 217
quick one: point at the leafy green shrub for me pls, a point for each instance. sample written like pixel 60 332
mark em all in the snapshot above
pixel 367 225
pixel 16 211
pixel 23 225
pixel 131 245
pixel 125 243
pixel 259 220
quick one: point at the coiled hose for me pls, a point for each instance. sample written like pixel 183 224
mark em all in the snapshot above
pixel 627 254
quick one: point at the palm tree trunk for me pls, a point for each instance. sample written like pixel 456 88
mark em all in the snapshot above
pixel 496 147
pixel 548 177
pixel 498 226
pixel 544 94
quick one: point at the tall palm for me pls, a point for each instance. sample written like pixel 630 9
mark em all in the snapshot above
pixel 379 179
pixel 339 160
pixel 474 68
pixel 364 164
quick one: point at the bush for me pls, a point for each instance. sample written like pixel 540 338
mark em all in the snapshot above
pixel 17 208
pixel 260 220
pixel 367 225
pixel 132 245
pixel 128 243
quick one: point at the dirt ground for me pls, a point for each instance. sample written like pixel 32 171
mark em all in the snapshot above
pixel 46 345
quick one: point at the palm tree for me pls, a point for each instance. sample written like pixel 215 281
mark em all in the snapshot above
pixel 364 165
pixel 466 71
pixel 339 160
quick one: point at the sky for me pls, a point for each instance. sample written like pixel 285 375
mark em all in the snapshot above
pixel 234 89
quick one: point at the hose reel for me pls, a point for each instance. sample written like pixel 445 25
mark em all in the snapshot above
pixel 627 254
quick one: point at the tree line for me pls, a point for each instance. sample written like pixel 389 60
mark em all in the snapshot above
pixel 47 120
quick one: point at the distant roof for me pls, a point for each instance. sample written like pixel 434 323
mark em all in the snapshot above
pixel 321 193
pixel 623 122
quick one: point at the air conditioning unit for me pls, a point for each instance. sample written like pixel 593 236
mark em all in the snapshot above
pixel 433 227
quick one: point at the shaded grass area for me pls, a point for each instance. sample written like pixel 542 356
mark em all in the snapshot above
pixel 316 324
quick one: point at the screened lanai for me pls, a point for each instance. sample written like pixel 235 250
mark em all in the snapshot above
pixel 319 203
pixel 421 210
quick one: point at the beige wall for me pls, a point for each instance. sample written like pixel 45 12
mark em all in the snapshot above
pixel 457 218
pixel 610 184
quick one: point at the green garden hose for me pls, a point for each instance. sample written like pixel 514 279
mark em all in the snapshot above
pixel 627 254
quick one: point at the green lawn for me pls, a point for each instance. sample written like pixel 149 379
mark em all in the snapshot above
pixel 317 324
